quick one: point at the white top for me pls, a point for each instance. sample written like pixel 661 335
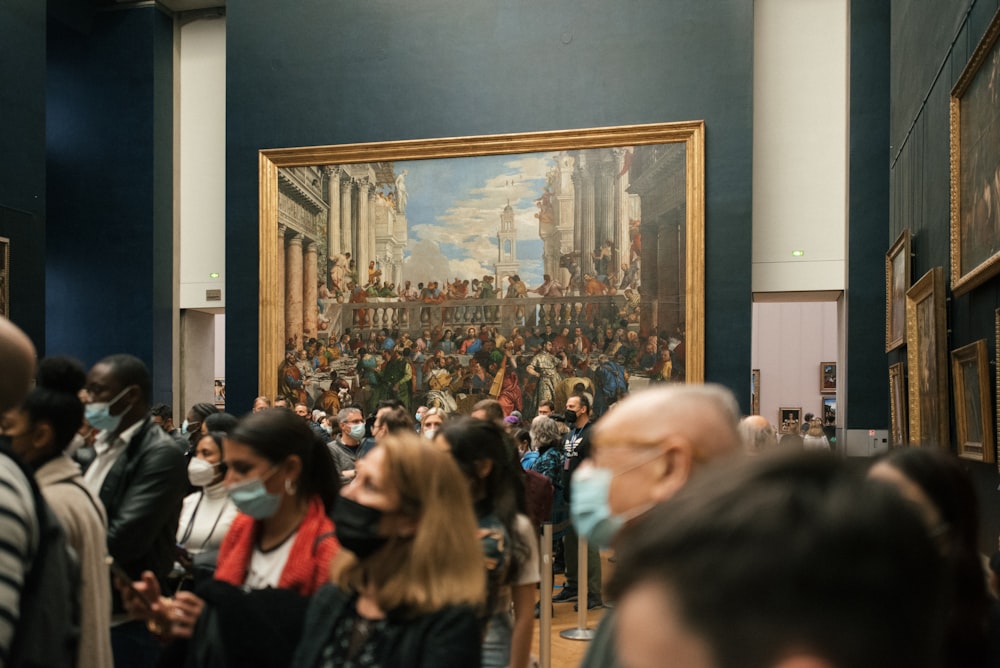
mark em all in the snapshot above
pixel 108 453
pixel 530 569
pixel 815 443
pixel 266 567
pixel 205 519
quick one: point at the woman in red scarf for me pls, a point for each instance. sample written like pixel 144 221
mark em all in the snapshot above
pixel 282 479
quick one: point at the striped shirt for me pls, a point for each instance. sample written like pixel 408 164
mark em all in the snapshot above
pixel 18 544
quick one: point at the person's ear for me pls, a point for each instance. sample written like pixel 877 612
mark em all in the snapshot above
pixel 42 435
pixel 674 468
pixel 293 468
pixel 484 467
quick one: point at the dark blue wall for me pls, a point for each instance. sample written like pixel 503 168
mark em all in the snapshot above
pixel 109 146
pixel 22 170
pixel 319 72
pixel 868 211
pixel 932 42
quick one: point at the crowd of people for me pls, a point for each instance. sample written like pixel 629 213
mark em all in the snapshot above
pixel 394 535
pixel 453 369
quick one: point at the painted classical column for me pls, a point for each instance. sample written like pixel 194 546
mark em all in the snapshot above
pixel 622 212
pixel 310 292
pixel 333 213
pixel 670 283
pixel 364 229
pixel 293 290
pixel 347 244
pixel 604 204
pixel 649 281
pixel 282 231
pixel 587 220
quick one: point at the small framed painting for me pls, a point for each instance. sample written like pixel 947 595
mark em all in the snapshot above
pixel 755 392
pixel 897 282
pixel 897 405
pixel 973 418
pixel 828 377
pixel 789 419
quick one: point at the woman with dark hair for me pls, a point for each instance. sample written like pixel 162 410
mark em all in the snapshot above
pixel 509 541
pixel 207 513
pixel 284 482
pixel 191 427
pixel 40 430
pixel 943 493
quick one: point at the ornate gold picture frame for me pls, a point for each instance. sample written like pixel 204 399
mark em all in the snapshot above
pixel 975 166
pixel 755 392
pixel 789 419
pixel 897 405
pixel 897 282
pixel 333 213
pixel 828 377
pixel 973 412
pixel 4 277
pixel 927 360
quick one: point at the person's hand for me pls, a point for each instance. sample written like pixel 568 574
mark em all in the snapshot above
pixel 184 616
pixel 143 600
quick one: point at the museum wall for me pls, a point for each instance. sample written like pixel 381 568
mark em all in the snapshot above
pixel 22 172
pixel 931 44
pixel 331 73
pixel 109 259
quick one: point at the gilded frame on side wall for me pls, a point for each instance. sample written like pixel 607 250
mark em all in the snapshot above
pixel 897 282
pixel 897 405
pixel 662 165
pixel 755 392
pixel 996 318
pixel 4 277
pixel 927 360
pixel 973 413
pixel 975 166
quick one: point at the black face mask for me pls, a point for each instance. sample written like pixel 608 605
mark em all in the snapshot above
pixel 357 526
pixel 570 417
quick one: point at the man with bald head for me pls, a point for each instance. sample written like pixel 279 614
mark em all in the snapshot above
pixel 18 518
pixel 642 453
pixel 17 359
pixel 758 435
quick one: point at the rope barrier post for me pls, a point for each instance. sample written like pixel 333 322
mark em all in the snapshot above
pixel 581 632
pixel 545 600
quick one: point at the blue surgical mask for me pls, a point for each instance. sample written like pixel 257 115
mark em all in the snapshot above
pixel 184 427
pixel 253 499
pixel 417 416
pixel 357 431
pixel 589 508
pixel 98 413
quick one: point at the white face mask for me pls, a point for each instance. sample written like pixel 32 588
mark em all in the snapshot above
pixel 200 472
pixel 357 431
pixel 429 434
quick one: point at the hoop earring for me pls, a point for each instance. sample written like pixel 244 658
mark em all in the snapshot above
pixel 290 487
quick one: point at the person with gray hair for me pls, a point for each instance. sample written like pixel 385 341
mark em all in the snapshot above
pixel 642 453
pixel 758 435
pixel 351 443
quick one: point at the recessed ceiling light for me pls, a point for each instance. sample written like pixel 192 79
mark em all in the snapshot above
pixel 798 253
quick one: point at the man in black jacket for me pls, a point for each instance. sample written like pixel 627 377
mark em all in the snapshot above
pixel 141 478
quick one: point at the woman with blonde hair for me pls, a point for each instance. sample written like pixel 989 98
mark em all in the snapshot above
pixel 815 438
pixel 409 582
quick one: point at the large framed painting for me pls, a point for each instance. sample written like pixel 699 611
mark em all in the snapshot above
pixel 897 282
pixel 4 277
pixel 523 267
pixel 975 166
pixel 927 359
pixel 973 414
pixel 897 405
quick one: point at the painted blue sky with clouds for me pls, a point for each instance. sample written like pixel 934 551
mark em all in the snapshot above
pixel 453 213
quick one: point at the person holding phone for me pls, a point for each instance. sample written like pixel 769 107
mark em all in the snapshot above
pixel 283 480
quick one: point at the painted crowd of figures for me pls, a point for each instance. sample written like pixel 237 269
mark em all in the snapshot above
pixel 452 370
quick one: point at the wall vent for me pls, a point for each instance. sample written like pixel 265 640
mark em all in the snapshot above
pixel 213 295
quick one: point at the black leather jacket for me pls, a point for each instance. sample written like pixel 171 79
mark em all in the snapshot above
pixel 142 494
